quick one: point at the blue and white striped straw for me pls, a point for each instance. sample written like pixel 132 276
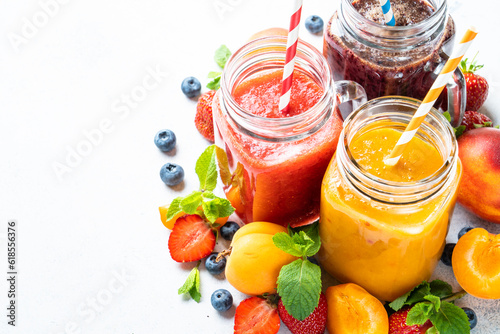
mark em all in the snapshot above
pixel 388 14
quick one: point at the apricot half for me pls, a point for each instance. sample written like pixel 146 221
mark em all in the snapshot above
pixel 476 263
pixel 352 310
pixel 255 262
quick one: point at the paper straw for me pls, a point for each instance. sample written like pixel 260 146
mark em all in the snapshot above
pixel 291 50
pixel 388 14
pixel 431 97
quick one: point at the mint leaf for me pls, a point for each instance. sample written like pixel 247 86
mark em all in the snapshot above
pixel 459 130
pixel 222 54
pixel 217 207
pixel 419 314
pixel 313 233
pixel 191 202
pixel 214 84
pixel 206 169
pixel 285 242
pixel 432 330
pixel 192 285
pixel 450 319
pixel 299 285
pixel 440 289
pixel 214 75
pixel 414 296
pixel 174 208
pixel 435 301
pixel 447 115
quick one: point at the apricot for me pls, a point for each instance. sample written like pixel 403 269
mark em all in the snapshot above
pixel 269 32
pixel 352 310
pixel 255 262
pixel 233 196
pixel 170 223
pixel 479 190
pixel 476 263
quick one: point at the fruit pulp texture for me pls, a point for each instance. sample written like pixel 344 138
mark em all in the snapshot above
pixel 382 73
pixel 280 182
pixel 386 248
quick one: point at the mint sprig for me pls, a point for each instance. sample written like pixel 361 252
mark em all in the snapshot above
pixel 192 284
pixel 213 207
pixel 221 57
pixel 431 301
pixel 299 282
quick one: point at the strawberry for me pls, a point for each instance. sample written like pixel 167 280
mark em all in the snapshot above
pixel 313 324
pixel 472 118
pixel 204 120
pixel 256 315
pixel 397 323
pixel 191 239
pixel 477 86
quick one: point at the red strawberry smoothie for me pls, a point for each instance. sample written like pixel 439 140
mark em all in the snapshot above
pixel 381 72
pixel 281 181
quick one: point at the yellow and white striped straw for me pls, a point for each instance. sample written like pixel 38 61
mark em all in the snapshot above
pixel 431 97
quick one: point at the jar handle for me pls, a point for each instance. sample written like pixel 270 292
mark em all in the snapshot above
pixel 349 91
pixel 457 97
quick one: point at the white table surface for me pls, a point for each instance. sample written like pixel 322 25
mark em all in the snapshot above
pixel 93 254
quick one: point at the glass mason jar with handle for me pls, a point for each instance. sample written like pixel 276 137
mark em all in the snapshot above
pixel 395 60
pixel 276 163
pixel 384 227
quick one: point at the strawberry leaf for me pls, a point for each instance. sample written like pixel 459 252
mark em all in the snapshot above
pixel 299 285
pixel 192 285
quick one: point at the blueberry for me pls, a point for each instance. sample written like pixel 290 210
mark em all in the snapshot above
pixel 191 87
pixel 165 140
pixel 314 24
pixel 214 267
pixel 171 174
pixel 471 315
pixel 229 229
pixel 312 259
pixel 446 256
pixel 222 300
pixel 463 231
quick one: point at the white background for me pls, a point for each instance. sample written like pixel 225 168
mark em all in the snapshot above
pixel 92 254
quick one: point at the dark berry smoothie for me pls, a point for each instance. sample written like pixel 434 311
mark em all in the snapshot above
pixel 391 67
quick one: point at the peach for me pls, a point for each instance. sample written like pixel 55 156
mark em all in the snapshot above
pixel 255 262
pixel 352 310
pixel 476 263
pixel 479 191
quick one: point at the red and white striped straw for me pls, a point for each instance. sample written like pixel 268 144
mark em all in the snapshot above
pixel 431 97
pixel 291 50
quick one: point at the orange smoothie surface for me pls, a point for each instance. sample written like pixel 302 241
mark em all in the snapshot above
pixel 260 94
pixel 419 160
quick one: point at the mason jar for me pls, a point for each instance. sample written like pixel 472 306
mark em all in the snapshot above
pixel 276 164
pixel 395 60
pixel 384 233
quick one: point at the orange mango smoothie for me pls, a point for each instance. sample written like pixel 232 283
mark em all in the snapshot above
pixel 386 246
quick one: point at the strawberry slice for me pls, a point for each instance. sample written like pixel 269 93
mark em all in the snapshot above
pixel 204 118
pixel 397 323
pixel 191 239
pixel 315 323
pixel 255 315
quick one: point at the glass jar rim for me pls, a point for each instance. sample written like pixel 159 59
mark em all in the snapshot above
pixel 406 192
pixel 272 48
